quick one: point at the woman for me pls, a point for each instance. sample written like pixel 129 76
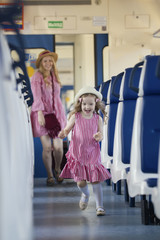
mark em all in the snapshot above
pixel 45 86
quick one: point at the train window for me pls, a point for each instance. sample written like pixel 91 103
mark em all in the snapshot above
pixel 65 65
pixel 31 55
pixel 30 59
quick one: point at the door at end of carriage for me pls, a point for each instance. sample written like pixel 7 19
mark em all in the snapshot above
pixel 34 44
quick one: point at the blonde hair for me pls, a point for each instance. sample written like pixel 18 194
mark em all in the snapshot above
pixel 45 74
pixel 99 106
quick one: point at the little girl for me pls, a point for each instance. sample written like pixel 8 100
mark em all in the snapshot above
pixel 83 157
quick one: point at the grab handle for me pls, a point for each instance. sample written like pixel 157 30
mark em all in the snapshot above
pixel 119 76
pixel 131 85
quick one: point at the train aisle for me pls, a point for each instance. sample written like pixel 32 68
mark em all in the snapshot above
pixel 57 216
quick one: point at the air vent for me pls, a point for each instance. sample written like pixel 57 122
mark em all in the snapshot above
pixel 57 2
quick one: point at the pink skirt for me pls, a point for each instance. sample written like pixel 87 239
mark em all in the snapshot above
pixel 80 171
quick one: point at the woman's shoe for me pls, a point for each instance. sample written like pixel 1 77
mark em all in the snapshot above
pixel 50 182
pixel 59 179
pixel 100 211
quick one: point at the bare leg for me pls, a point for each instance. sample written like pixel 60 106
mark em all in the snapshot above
pixel 46 155
pixel 81 184
pixel 58 153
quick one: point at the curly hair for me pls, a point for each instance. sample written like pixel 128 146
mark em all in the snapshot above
pixel 100 106
pixel 45 74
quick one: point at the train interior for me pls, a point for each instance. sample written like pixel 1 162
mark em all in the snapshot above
pixel 112 45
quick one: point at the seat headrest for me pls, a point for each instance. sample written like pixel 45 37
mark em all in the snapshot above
pixel 150 82
pixel 115 87
pixel 129 94
pixel 104 90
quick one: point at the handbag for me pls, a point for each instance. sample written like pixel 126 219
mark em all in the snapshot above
pixel 52 125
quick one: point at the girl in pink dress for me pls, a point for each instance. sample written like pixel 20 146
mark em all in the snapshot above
pixel 45 86
pixel 83 157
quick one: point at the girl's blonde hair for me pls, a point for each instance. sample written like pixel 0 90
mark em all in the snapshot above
pixel 45 74
pixel 99 106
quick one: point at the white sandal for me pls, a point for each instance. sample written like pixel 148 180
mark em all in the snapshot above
pixel 100 211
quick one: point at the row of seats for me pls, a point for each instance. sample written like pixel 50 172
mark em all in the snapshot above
pixel 16 148
pixel 130 148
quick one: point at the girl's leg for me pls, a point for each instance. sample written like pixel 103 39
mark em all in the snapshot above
pixel 97 190
pixel 47 157
pixel 58 155
pixel 83 187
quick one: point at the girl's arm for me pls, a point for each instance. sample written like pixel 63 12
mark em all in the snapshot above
pixel 99 135
pixel 63 133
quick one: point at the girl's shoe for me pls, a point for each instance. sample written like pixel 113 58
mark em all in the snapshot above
pixel 100 211
pixel 59 179
pixel 50 182
pixel 83 203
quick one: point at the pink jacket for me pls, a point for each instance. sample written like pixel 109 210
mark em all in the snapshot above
pixel 43 100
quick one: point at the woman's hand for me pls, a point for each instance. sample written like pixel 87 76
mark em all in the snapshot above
pixel 98 136
pixel 41 119
pixel 62 134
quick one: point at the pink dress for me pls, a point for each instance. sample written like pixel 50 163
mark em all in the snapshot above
pixel 83 156
pixel 43 100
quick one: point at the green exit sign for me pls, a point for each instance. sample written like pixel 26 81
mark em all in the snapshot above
pixel 55 24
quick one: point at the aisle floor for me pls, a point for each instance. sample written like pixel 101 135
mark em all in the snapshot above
pixel 56 216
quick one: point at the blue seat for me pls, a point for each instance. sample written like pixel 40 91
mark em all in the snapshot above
pixel 152 182
pixel 114 100
pixel 104 90
pixel 150 134
pixel 124 126
pixel 129 104
pixel 145 139
pixel 155 185
pixel 111 108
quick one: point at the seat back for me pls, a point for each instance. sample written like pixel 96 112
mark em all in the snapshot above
pixel 123 128
pixel 145 141
pixel 104 90
pixel 149 72
pixel 150 131
pixel 114 99
pixel 105 159
pixel 129 102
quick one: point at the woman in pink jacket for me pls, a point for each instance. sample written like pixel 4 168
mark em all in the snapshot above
pixel 45 86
